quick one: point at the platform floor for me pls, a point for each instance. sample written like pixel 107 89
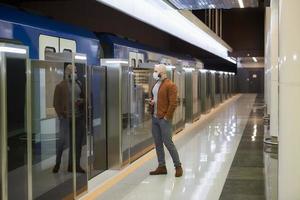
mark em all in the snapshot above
pixel 223 157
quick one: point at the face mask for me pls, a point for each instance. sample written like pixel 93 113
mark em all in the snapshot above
pixel 155 76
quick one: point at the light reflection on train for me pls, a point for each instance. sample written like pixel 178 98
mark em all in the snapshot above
pixel 106 124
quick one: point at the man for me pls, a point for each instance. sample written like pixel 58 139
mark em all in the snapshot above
pixel 163 103
pixel 63 106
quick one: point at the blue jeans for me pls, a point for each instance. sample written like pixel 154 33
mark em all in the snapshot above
pixel 162 134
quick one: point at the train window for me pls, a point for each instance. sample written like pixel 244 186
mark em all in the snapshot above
pixel 66 45
pixel 67 50
pixel 133 62
pixel 140 62
pixel 50 49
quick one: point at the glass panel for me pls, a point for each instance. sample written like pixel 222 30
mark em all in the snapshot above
pixel 208 90
pixel 140 112
pixel 80 101
pixel 199 93
pixel 222 87
pixel 195 93
pixel 1 127
pixel 16 130
pixel 51 114
pixel 203 93
pixel 97 90
pixel 178 111
pixel 126 83
pixel 217 88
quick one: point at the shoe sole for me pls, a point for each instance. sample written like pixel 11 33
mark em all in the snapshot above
pixel 158 174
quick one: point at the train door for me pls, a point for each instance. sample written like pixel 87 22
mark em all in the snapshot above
pixel 97 153
pixel 14 126
pixel 199 92
pixel 118 112
pixel 188 102
pixel 172 75
pixel 213 88
pixel 195 95
pixel 182 97
pixel 179 114
pixel 217 89
pixel 208 91
pixel 141 118
pixel 59 117
pixel 222 98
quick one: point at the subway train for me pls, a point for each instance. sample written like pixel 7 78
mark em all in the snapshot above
pixel 110 127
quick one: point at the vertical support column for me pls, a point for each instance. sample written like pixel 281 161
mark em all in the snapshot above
pixel 3 129
pixel 206 17
pixel 267 58
pixel 274 71
pixel 213 12
pixel 217 21
pixel 289 98
pixel 221 23
pixel 29 130
pixel 209 18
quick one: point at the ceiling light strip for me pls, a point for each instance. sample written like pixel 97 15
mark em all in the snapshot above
pixel 241 3
pixel 162 16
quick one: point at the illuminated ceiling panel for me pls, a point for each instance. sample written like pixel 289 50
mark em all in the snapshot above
pixel 163 16
pixel 205 4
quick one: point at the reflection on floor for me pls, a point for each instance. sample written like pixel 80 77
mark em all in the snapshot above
pixel 246 178
pixel 207 152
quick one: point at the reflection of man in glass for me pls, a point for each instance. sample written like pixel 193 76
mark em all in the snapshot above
pixel 63 107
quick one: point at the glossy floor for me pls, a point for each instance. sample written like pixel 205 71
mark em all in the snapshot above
pixel 206 151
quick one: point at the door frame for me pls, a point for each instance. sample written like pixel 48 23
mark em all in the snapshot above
pixel 22 52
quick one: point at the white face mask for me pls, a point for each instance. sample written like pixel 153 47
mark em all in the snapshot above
pixel 155 76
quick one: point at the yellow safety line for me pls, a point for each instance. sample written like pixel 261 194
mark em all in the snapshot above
pixel 106 185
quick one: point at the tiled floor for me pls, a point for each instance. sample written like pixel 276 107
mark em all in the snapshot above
pixel 208 153
pixel 245 179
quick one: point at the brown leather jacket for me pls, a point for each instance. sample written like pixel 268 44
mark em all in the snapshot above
pixel 166 100
pixel 61 99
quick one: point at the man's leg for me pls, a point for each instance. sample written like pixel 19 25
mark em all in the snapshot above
pixel 158 141
pixel 79 139
pixel 63 130
pixel 159 147
pixel 166 132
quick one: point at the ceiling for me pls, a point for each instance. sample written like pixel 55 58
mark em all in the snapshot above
pixel 206 4
pixel 250 59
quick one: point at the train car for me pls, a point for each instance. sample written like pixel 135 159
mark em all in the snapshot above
pixel 49 46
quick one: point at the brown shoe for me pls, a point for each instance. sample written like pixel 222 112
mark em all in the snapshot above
pixel 159 171
pixel 179 171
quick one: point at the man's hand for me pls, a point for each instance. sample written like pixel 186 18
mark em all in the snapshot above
pixel 151 102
